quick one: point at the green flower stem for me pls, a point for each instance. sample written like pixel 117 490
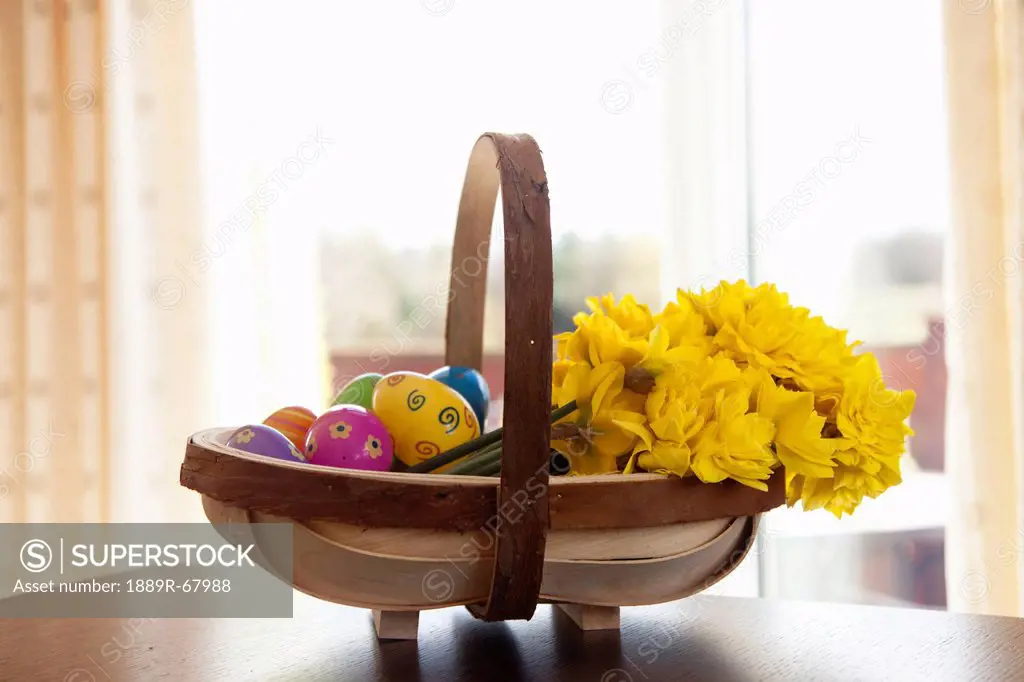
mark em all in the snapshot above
pixel 491 454
pixel 456 453
pixel 478 444
pixel 492 469
pixel 482 463
pixel 490 449
pixel 485 461
pixel 474 461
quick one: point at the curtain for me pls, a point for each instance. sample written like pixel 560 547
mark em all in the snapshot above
pixel 102 338
pixel 983 314
pixel 54 387
pixel 160 359
pixel 138 304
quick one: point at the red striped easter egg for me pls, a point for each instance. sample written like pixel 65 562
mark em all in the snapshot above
pixel 293 422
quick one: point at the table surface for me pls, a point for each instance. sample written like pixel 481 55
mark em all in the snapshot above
pixel 701 638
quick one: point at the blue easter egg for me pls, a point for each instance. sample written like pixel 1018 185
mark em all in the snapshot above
pixel 470 384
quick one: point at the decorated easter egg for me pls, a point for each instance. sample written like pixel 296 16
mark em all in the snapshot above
pixel 261 439
pixel 468 383
pixel 349 437
pixel 424 416
pixel 359 391
pixel 293 422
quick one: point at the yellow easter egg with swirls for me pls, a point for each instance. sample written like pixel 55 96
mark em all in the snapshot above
pixel 423 416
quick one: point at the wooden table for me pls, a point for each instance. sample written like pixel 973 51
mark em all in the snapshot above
pixel 702 638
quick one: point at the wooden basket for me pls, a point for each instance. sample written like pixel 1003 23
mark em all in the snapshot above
pixel 399 543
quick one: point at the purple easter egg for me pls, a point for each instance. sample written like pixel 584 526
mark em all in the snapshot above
pixel 349 437
pixel 264 440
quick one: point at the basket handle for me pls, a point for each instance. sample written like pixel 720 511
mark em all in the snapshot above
pixel 520 525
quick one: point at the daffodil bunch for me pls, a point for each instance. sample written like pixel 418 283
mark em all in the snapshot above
pixel 728 383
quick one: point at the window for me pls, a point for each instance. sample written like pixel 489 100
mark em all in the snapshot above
pixel 338 252
pixel 849 198
pixel 334 150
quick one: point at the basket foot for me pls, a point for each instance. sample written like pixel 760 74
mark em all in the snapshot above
pixel 589 617
pixel 396 624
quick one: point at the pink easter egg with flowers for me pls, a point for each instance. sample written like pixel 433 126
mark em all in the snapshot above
pixel 349 437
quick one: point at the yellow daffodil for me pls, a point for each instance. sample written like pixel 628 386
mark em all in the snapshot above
pixel 728 383
pixel 871 419
pixel 592 436
pixel 718 305
pixel 871 414
pixel 685 325
pixel 659 356
pixel 658 455
pixel 601 440
pixel 798 429
pixel 818 359
pixel 598 339
pixel 720 372
pixel 736 444
pixel 589 386
pixel 674 418
pixel 559 372
pixel 633 318
pixel 759 327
